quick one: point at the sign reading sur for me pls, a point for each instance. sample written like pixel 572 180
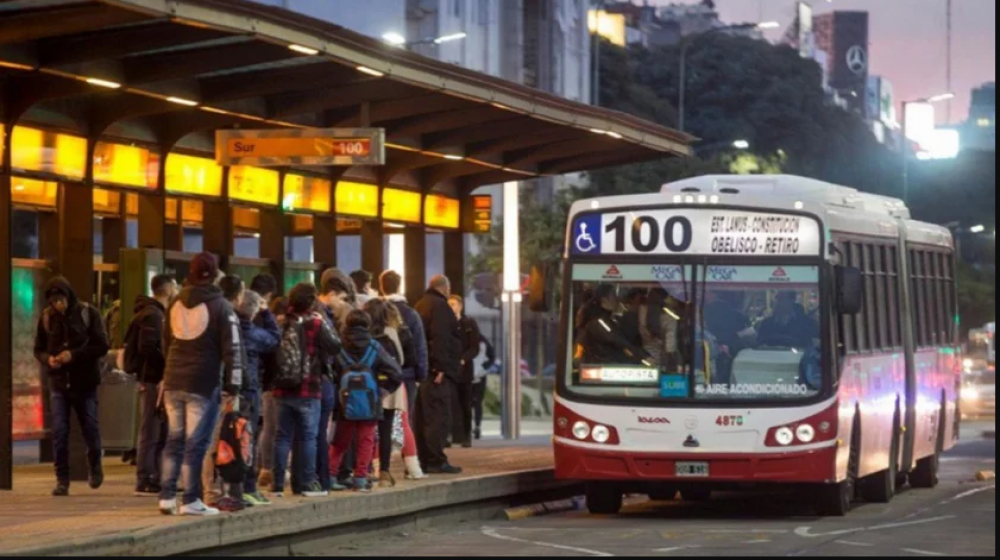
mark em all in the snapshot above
pixel 313 146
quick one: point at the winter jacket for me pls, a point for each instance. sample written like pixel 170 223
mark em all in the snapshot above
pixel 599 340
pixel 259 340
pixel 202 344
pixel 443 340
pixel 144 341
pixel 319 345
pixel 386 370
pixel 80 331
pixel 415 370
pixel 471 337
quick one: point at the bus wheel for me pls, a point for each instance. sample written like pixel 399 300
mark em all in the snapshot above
pixel 880 488
pixel 603 498
pixel 696 495
pixel 835 500
pixel 926 473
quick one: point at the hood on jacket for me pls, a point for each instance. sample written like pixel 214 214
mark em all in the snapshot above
pixel 194 295
pixel 59 285
pixel 356 340
pixel 143 302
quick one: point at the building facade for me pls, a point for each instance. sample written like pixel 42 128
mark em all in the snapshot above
pixel 981 129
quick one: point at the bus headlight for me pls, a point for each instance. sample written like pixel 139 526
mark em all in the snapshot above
pixel 581 430
pixel 970 394
pixel 806 433
pixel 784 436
pixel 601 434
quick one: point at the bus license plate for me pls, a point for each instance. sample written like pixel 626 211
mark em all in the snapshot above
pixel 692 470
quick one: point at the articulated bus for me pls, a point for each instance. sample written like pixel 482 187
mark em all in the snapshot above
pixel 739 332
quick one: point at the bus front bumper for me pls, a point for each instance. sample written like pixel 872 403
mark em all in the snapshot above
pixel 573 462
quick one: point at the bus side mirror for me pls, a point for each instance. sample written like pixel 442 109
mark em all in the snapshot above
pixel 850 290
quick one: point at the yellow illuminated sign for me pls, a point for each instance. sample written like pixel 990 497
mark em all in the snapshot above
pixel 247 219
pixel 253 184
pixel 302 224
pixel 49 152
pixel 357 199
pixel 193 175
pixel 610 26
pixel 192 211
pixel 107 202
pixel 441 211
pixel 306 194
pixel 33 193
pixel 129 166
pixel 401 206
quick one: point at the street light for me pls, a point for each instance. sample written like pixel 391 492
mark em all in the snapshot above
pixel 741 145
pixel 977 229
pixel 686 44
pixel 398 40
pixel 906 139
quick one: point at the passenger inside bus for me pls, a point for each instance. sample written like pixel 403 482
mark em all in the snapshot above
pixel 599 335
pixel 788 326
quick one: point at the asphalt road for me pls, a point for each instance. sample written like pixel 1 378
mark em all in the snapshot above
pixel 956 519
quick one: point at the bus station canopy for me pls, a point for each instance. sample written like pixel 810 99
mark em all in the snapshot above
pixel 163 71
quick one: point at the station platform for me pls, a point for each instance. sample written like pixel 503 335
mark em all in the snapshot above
pixel 111 522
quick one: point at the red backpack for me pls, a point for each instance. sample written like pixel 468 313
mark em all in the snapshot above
pixel 235 454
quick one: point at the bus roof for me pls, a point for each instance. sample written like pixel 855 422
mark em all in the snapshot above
pixel 842 209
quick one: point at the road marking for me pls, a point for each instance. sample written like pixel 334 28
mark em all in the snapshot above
pixel 806 532
pixel 858 544
pixel 758 541
pixel 965 495
pixel 675 549
pixel 922 552
pixel 492 533
pixel 747 531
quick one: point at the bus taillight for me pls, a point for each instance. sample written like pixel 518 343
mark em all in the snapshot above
pixel 816 429
pixel 570 425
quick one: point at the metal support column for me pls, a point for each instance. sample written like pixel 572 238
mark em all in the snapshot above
pixel 510 400
pixel 6 320
pixel 152 221
pixel 372 247
pixel 114 235
pixel 273 230
pixel 454 261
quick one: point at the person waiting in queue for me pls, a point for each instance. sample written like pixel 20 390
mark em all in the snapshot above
pixel 788 325
pixel 598 333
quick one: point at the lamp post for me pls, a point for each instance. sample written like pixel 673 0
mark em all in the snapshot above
pixel 686 45
pixel 906 140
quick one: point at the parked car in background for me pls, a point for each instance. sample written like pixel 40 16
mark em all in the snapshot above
pixel 979 394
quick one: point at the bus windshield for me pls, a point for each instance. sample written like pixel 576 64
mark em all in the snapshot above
pixel 702 333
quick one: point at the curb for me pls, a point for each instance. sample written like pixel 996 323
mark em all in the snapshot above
pixel 262 524
pixel 546 508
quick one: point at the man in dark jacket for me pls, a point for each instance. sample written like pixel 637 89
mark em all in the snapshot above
pixel 414 371
pixel 69 344
pixel 203 352
pixel 461 398
pixel 433 411
pixel 144 358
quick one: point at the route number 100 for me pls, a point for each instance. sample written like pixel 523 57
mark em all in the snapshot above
pixel 647 234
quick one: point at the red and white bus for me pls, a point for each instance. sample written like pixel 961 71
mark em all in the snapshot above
pixel 747 331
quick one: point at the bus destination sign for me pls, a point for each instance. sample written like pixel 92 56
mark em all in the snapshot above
pixel 284 147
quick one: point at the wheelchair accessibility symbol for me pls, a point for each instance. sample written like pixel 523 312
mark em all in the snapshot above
pixel 583 240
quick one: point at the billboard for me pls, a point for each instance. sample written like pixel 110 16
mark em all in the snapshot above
pixel 880 102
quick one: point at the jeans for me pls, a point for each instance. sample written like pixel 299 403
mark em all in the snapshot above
pixel 478 396
pixel 298 417
pixel 152 436
pixel 346 432
pixel 84 403
pixel 268 432
pixel 385 440
pixel 250 407
pixel 191 419
pixel 327 405
pixel 433 419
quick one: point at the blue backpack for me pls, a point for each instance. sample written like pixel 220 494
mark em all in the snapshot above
pixel 360 398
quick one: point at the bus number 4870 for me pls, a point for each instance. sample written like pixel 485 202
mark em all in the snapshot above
pixel 729 421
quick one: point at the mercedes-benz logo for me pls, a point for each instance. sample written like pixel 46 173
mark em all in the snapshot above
pixel 857 59
pixel 691 422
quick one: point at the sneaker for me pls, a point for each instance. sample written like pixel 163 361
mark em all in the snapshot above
pixel 61 490
pixel 147 489
pixel 168 507
pixel 444 469
pixel 231 505
pixel 256 499
pixel 385 481
pixel 315 491
pixel 278 494
pixel 96 479
pixel 338 486
pixel 198 509
pixel 363 485
pixel 266 479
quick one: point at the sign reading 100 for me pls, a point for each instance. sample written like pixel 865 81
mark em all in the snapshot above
pixel 647 233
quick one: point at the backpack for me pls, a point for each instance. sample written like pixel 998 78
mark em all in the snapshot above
pixel 234 456
pixel 360 398
pixel 291 371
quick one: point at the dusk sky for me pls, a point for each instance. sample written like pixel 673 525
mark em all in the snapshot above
pixel 907 40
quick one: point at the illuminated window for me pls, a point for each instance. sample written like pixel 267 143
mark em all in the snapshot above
pixel 254 184
pixel 29 192
pixel 357 199
pixel 129 166
pixel 401 206
pixel 306 194
pixel 193 175
pixel 441 211
pixel 107 203
pixel 49 152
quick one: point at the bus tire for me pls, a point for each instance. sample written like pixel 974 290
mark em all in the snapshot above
pixel 836 500
pixel 604 498
pixel 880 488
pixel 696 495
pixel 926 473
